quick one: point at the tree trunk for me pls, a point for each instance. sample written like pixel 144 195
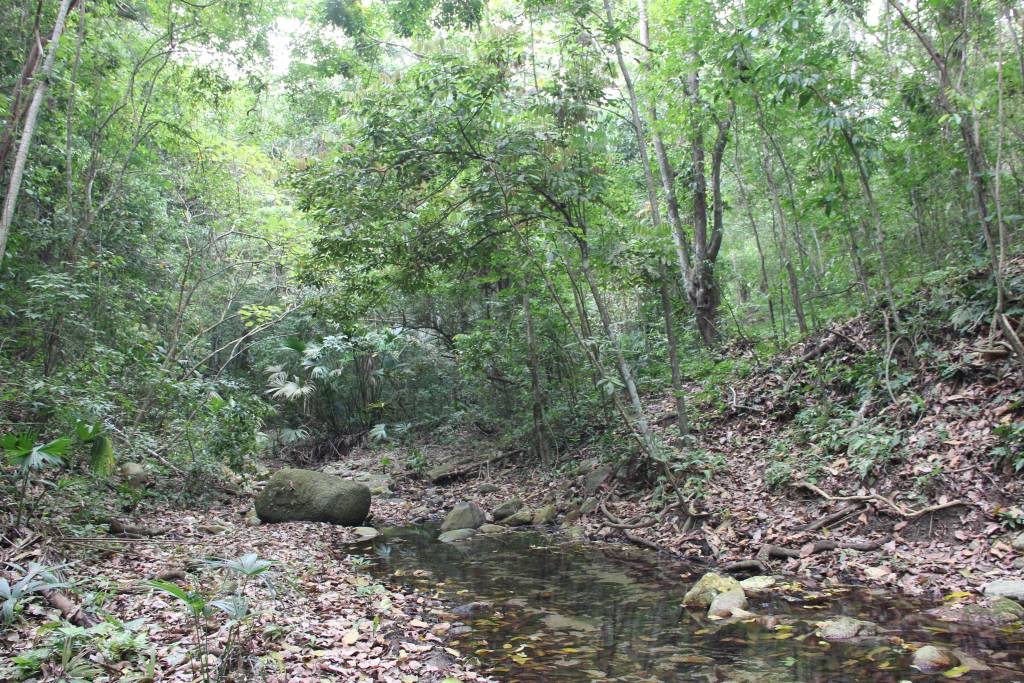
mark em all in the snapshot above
pixel 540 441
pixel 21 158
pixel 682 421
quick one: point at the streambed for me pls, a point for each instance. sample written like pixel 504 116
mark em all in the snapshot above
pixel 537 607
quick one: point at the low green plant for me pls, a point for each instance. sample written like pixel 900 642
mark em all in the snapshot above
pixel 416 460
pixel 1010 448
pixel 35 579
pixel 69 653
pixel 236 608
pixel 23 452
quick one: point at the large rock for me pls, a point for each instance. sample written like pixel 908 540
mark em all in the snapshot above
pixel 931 659
pixel 846 628
pixel 1005 588
pixel 464 516
pixel 507 509
pixel 294 495
pixel 705 590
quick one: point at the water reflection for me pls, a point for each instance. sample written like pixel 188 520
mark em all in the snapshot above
pixel 561 611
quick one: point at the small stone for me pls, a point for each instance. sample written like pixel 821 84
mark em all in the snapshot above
pixel 725 604
pixel 709 586
pixel 1005 588
pixel 1018 542
pixel 491 529
pixel 1009 609
pixel 846 628
pixel 571 517
pixel 507 509
pixel 251 518
pixel 588 506
pixel 757 584
pixel 521 518
pixel 592 482
pixel 576 533
pixel 364 534
pixel 544 515
pixel 456 535
pixel 464 516
pixel 931 659
pixel 484 489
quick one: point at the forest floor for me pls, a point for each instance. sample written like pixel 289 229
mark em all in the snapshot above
pixel 319 617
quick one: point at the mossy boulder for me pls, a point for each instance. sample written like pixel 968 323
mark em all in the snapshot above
pixel 294 495
pixel 709 586
pixel 464 516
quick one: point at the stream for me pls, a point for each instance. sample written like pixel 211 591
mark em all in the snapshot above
pixel 537 607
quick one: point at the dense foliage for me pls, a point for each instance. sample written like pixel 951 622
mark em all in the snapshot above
pixel 258 226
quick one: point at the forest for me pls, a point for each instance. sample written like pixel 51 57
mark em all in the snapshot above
pixel 511 340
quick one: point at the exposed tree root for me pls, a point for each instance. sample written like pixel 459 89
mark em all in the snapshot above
pixel 878 498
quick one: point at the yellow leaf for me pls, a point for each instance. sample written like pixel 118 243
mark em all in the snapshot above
pixel 956 672
pixel 350 637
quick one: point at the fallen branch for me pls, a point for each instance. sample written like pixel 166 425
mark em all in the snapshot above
pixel 639 540
pixel 878 498
pixel 769 550
pixel 120 528
pixel 745 566
pixel 462 470
pixel 69 610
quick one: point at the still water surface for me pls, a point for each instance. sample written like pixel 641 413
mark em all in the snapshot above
pixel 554 610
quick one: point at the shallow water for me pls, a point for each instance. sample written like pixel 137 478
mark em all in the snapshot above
pixel 563 611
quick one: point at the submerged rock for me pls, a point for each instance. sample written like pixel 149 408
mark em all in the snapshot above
pixel 507 509
pixel 456 535
pixel 728 604
pixel 1005 588
pixel 464 516
pixel 846 628
pixel 294 495
pixel 931 659
pixel 544 515
pixel 709 586
pixel 521 518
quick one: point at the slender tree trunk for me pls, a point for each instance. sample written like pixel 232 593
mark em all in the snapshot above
pixel 540 441
pixel 780 217
pixel 682 421
pixel 21 158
